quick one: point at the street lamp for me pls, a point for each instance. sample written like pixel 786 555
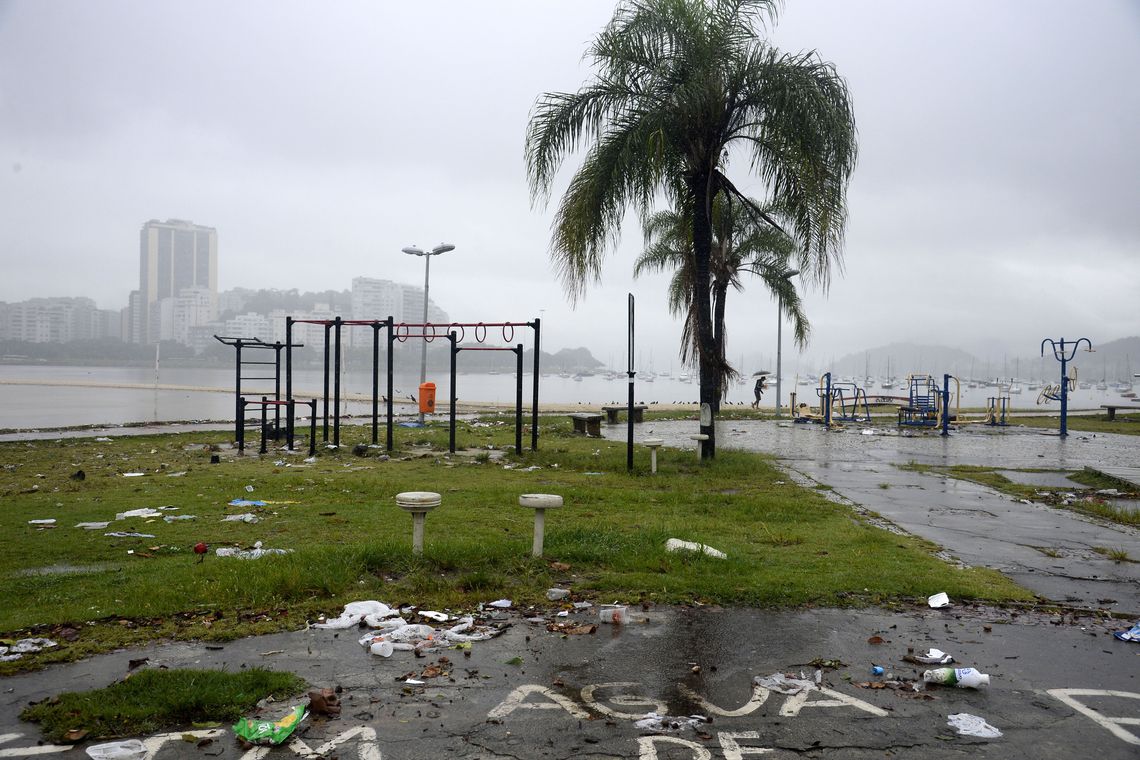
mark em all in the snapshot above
pixel 779 333
pixel 413 251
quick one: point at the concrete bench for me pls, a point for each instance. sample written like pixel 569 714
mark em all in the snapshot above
pixel 1110 409
pixel 587 423
pixel 612 412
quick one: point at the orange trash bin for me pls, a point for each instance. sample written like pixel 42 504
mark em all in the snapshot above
pixel 427 398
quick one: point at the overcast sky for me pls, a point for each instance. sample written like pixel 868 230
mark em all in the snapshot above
pixel 996 200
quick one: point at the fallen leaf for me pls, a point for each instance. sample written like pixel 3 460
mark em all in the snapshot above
pixel 875 640
pixel 75 735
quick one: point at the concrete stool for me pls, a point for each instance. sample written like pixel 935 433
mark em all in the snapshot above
pixel 700 438
pixel 418 503
pixel 653 444
pixel 539 502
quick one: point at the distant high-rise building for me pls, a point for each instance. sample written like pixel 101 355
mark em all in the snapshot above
pixel 174 256
pixel 55 320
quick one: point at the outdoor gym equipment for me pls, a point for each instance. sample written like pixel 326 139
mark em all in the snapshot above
pixel 242 368
pixel 927 405
pixel 838 402
pixel 402 332
pixel 1064 354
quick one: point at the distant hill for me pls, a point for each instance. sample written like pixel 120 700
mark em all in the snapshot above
pixel 908 358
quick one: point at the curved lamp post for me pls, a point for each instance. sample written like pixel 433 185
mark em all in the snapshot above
pixel 779 333
pixel 413 251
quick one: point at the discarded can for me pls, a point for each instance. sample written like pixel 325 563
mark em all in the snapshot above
pixel 876 670
pixel 963 678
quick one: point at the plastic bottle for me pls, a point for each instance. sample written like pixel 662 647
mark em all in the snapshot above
pixel 963 678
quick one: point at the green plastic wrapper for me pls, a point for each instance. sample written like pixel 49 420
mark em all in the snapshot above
pixel 268 731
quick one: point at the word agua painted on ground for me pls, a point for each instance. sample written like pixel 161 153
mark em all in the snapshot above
pixel 538 697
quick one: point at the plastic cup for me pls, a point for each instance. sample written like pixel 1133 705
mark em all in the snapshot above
pixel 382 648
pixel 614 613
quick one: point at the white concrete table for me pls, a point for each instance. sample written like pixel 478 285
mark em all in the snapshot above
pixel 700 438
pixel 418 503
pixel 539 502
pixel 653 444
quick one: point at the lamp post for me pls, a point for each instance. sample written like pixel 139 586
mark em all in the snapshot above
pixel 413 251
pixel 779 333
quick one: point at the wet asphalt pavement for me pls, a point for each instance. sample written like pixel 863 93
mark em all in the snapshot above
pixel 1061 685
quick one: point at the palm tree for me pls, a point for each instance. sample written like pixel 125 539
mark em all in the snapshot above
pixel 680 84
pixel 742 243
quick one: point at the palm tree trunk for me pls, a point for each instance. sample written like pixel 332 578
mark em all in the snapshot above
pixel 719 295
pixel 706 344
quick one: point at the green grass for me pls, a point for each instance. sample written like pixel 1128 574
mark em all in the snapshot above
pixel 1124 424
pixel 153 700
pixel 786 545
pixel 1086 501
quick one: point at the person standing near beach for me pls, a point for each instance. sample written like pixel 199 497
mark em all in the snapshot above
pixel 758 390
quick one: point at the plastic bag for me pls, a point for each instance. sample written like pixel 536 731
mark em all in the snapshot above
pixel 268 731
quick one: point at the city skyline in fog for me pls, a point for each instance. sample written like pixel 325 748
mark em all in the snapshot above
pixel 993 204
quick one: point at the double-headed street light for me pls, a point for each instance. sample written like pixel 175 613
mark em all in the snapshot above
pixel 413 251
pixel 779 330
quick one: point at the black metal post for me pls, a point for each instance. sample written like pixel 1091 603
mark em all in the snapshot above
pixel 518 397
pixel 239 409
pixel 336 385
pixel 276 389
pixel 312 427
pixel 375 383
pixel 454 393
pixel 264 424
pixel 290 410
pixel 328 326
pixel 534 408
pixel 945 405
pixel 391 340
pixel 241 425
pixel 288 357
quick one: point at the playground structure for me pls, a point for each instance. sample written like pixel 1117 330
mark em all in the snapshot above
pixel 241 391
pixel 838 402
pixel 454 333
pixel 1064 354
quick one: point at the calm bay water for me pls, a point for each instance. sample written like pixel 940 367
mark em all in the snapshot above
pixel 40 396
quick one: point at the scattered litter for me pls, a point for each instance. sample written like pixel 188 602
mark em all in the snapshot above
pixel 247 517
pixel 131 749
pixel 103 439
pixel 934 657
pixel 439 617
pixel 654 722
pixel 49 521
pixel 249 489
pixel 133 474
pixel 144 513
pixel 127 534
pixel 324 702
pixel 178 474
pixel 939 600
pixel 92 525
pixel 355 613
pixel 614 613
pixel 247 503
pixel 1132 634
pixel 583 605
pixel 413 682
pixel 24 646
pixel 780 683
pixel 268 731
pixel 971 725
pixel 175 518
pixel 563 613
pixel 676 544
pixel 502 604
pixel 963 678
pixel 554 594
pixel 255 553
pixel 877 670
pixel 867 431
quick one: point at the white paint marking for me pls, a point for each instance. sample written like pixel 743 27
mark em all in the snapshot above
pixel 733 751
pixel 758 698
pixel 1110 724
pixel 369 751
pixel 625 700
pixel 45 749
pixel 647 747
pixel 797 702
pixel 515 701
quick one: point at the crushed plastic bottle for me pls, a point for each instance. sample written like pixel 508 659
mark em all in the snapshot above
pixel 963 678
pixel 131 749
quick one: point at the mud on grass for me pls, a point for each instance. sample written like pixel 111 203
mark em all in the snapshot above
pixel 348 541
